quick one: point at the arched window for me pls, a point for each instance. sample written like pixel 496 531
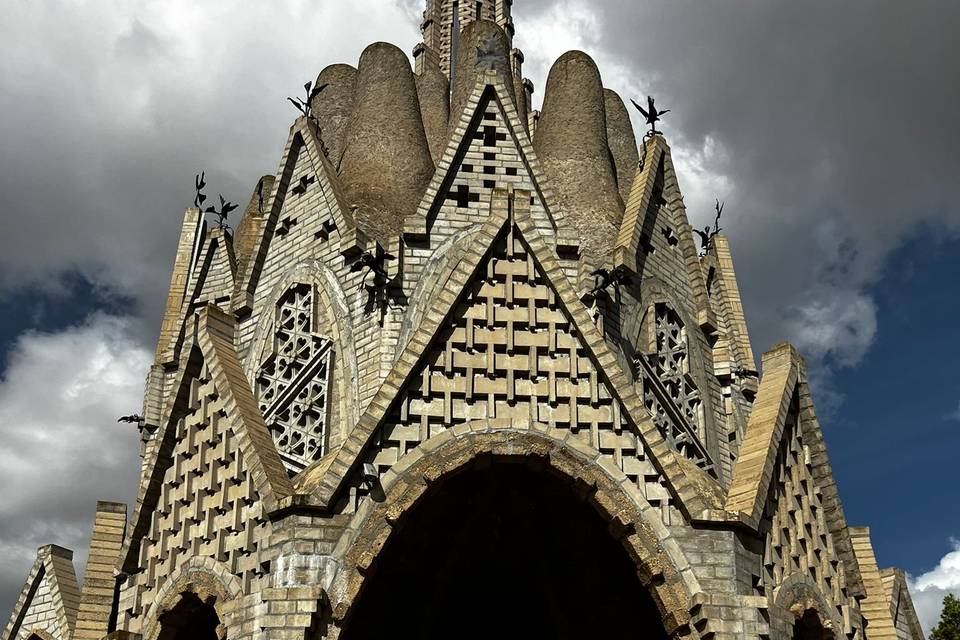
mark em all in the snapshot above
pixel 672 363
pixel 293 381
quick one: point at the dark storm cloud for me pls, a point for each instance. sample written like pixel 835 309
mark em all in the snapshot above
pixel 832 124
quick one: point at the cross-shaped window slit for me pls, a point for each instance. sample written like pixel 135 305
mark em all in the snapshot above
pixel 463 196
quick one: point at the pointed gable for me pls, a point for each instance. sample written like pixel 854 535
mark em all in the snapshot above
pixel 783 486
pixel 507 339
pixel 213 478
pixel 49 600
pixel 876 606
pixel 99 581
pixel 655 238
pixel 901 605
pixel 191 232
pixel 213 276
pixel 488 149
pixel 305 208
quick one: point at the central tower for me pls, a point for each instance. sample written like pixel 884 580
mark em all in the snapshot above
pixel 443 20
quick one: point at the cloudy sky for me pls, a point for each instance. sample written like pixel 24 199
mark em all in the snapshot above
pixel 829 129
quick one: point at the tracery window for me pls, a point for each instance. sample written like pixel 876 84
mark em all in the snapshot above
pixel 672 364
pixel 293 381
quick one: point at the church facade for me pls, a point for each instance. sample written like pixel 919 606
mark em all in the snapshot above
pixel 462 370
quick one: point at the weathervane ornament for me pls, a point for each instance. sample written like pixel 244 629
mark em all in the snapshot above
pixel 651 114
pixel 707 235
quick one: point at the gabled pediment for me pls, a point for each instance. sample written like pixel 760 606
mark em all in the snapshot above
pixel 655 237
pixel 212 415
pixel 488 149
pixel 783 484
pixel 901 604
pixel 212 279
pixel 508 339
pixel 320 191
pixel 49 600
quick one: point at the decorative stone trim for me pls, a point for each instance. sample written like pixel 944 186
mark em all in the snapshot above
pixel 660 562
pixel 208 579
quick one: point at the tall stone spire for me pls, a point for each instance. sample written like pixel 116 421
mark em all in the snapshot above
pixel 443 20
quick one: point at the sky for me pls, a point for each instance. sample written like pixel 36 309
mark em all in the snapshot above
pixel 829 130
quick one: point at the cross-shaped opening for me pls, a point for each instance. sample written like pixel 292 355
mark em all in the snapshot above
pixel 463 195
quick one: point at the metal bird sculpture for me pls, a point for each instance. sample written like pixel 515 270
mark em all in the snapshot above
pixel 134 418
pixel 260 196
pixel 487 54
pixel 604 278
pixel 708 234
pixel 304 106
pixel 301 187
pixel 716 223
pixel 650 113
pixel 223 212
pixel 374 264
pixel 201 183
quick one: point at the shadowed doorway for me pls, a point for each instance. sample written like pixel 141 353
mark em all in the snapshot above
pixel 809 627
pixel 190 619
pixel 504 552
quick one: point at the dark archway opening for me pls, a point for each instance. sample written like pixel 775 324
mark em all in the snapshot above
pixel 191 619
pixel 504 552
pixel 809 627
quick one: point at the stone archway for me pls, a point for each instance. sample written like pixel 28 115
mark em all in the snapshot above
pixel 809 627
pixel 198 593
pixel 504 550
pixel 638 557
pixel 190 619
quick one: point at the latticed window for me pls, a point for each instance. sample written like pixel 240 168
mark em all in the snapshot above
pixel 672 364
pixel 293 381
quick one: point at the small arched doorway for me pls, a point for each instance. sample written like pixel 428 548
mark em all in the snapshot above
pixel 190 619
pixel 503 551
pixel 809 627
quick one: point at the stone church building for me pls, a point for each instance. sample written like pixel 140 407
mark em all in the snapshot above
pixel 463 371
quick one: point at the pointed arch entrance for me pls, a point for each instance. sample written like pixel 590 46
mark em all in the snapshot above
pixel 505 551
pixel 507 534
pixel 190 619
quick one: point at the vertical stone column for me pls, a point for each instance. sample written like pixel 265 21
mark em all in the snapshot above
pixel 99 581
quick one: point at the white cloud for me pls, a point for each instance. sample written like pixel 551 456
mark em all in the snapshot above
pixel 929 589
pixel 62 446
pixel 956 414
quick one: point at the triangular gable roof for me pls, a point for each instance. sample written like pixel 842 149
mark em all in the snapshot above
pixel 900 600
pixel 55 566
pixel 212 271
pixel 490 86
pixel 215 271
pixel 99 581
pixel 630 238
pixel 726 276
pixel 212 345
pixel 875 607
pixel 191 232
pixel 783 380
pixel 302 139
pixel 692 486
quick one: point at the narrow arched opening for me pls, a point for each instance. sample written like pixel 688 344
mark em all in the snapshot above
pixel 809 627
pixel 190 619
pixel 505 551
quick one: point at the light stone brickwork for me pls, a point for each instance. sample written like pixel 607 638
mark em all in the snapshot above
pixel 47 606
pixel 901 605
pixel 509 352
pixel 429 303
pixel 209 506
pixel 99 580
